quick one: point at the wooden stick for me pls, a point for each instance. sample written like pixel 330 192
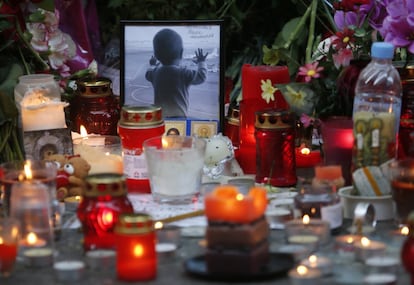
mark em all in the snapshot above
pixel 181 217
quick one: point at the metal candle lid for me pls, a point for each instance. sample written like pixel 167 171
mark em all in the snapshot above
pixel 102 184
pixel 233 116
pixel 274 119
pixel 136 223
pixel 140 116
pixel 94 87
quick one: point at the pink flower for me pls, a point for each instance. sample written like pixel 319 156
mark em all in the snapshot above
pixel 306 120
pixel 343 57
pixel 310 70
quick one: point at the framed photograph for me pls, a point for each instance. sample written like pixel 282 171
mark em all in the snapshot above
pixel 177 65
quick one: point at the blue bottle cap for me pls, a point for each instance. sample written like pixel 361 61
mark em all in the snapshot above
pixel 382 50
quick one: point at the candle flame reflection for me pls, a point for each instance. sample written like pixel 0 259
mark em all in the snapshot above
pixel 28 170
pixel 306 219
pixel 138 250
pixel 350 240
pixel 164 143
pixel 1 240
pixel 302 270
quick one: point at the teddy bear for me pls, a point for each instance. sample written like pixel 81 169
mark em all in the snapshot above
pixel 70 175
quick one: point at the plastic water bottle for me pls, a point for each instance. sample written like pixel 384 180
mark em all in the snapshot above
pixel 376 118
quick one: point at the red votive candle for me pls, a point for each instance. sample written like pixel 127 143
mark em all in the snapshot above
pixel 136 258
pixel 138 123
pixel 252 102
pixel 8 254
pixel 105 199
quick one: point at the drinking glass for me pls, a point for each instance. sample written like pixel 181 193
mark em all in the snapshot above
pixel 175 165
pixel 402 186
pixel 9 237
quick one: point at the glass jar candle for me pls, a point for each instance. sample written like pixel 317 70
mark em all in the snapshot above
pixel 136 258
pixel 105 198
pixel 320 202
pixel 138 123
pixel 232 125
pixel 95 107
pixel 38 99
pixel 275 148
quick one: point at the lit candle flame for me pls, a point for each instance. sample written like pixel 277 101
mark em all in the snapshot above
pixel 1 240
pixel 83 131
pixel 164 143
pixel 306 219
pixel 239 197
pixel 305 151
pixel 405 231
pixel 365 242
pixel 31 238
pixel 28 170
pixel 158 225
pixel 108 218
pixel 350 240
pixel 302 270
pixel 138 250
pixel 313 259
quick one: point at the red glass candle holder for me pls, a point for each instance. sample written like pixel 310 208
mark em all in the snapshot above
pixel 275 152
pixel 252 102
pixel 105 199
pixel 138 123
pixel 95 107
pixel 136 258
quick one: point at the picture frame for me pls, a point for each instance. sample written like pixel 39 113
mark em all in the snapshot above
pixel 205 100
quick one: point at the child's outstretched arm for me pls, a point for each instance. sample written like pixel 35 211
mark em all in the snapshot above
pixel 199 56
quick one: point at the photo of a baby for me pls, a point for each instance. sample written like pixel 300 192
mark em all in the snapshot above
pixel 176 66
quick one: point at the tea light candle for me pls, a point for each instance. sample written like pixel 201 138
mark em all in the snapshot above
pixel 383 264
pixel 346 244
pixel 398 237
pixel 306 157
pixel 322 263
pixel 69 270
pixel 32 240
pixel 366 248
pixel 307 226
pixel 302 275
pixel 380 279
pixel 102 157
pixel 72 203
pixel 100 258
pixel 165 249
pixel 37 257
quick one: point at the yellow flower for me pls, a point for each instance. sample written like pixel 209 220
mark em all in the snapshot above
pixel 299 96
pixel 268 90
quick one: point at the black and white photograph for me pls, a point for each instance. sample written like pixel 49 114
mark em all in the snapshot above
pixel 175 65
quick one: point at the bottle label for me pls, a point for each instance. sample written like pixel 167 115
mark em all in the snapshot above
pixel 135 166
pixel 333 215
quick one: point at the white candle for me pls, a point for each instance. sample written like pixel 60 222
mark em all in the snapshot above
pixel 69 270
pixel 72 202
pixel 101 258
pixel 383 264
pixel 380 279
pixel 322 263
pixel 98 154
pixel 366 248
pixel 307 226
pixel 302 275
pixel 345 245
pixel 32 240
pixel 39 112
pixel 38 257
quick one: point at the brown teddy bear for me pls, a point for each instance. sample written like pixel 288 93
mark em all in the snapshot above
pixel 70 175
